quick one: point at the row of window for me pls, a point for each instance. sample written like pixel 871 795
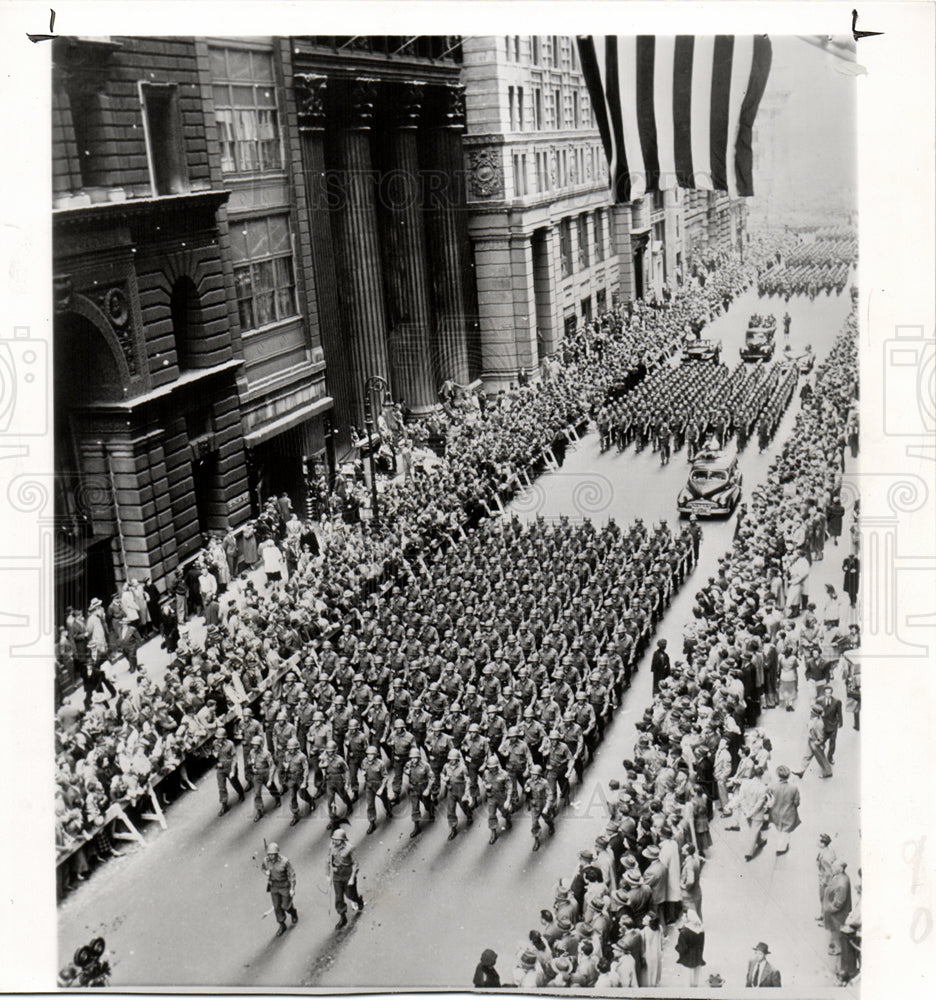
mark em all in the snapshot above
pixel 592 246
pixel 557 51
pixel 559 169
pixel 549 109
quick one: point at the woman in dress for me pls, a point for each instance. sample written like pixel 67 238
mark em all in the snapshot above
pixel 690 945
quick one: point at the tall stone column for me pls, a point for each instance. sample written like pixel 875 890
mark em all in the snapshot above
pixel 447 230
pixel 409 313
pixel 359 264
pixel 310 91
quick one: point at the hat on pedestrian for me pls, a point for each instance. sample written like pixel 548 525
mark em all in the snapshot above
pixel 824 838
pixel 586 856
pixel 633 876
pixel 652 852
pixel 562 964
pixel 95 603
pixel 760 946
pixel 528 959
pixel 783 771
pixel 601 841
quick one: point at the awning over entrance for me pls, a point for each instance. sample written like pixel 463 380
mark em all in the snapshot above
pixel 287 422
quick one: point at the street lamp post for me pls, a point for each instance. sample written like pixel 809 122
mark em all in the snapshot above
pixel 378 383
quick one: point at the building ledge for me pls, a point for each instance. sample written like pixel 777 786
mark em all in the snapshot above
pixel 288 421
pixel 192 201
pixel 186 379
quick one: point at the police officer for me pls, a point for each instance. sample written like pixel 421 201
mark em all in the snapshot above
pixel 497 786
pixel 419 780
pixel 281 885
pixel 225 755
pixel 343 872
pixel 335 772
pixel 454 784
pixel 375 785
pixel 294 771
pixel 260 767
pixel 538 799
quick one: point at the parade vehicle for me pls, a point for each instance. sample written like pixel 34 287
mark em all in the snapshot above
pixel 702 350
pixel 806 360
pixel 713 488
pixel 759 339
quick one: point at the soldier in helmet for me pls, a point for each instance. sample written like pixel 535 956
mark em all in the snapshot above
pixel 539 800
pixel 260 768
pixel 335 770
pixel 375 785
pixel 419 780
pixel 281 885
pixel 438 744
pixel 454 784
pixel 294 771
pixel 497 786
pixel 399 745
pixel 355 749
pixel 343 872
pixel 476 750
pixel 225 755
pixel 557 760
pixel 515 754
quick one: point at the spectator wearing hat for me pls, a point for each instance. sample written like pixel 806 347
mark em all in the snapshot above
pixel 836 905
pixel 760 973
pixel 815 738
pixel 281 885
pixel 343 871
pixel 528 974
pixel 655 875
pixel 486 976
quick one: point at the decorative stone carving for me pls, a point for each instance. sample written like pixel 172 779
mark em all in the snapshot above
pixel 485 174
pixel 363 98
pixel 454 107
pixel 115 304
pixel 310 100
pixel 409 104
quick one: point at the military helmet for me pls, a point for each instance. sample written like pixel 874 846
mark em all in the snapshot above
pixel 272 848
pixel 453 754
pixel 292 743
pixel 256 741
pixel 414 752
pixel 493 761
pixel 372 750
pixel 331 745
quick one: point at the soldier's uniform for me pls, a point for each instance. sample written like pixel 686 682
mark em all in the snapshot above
pixel 335 771
pixel 497 786
pixel 400 744
pixel 316 741
pixel 475 751
pixel 281 885
pixel 557 758
pixel 438 744
pixel 355 749
pixel 225 754
pixel 343 873
pixel 294 770
pixel 419 780
pixel 260 768
pixel 375 783
pixel 517 761
pixel 454 784
pixel 538 799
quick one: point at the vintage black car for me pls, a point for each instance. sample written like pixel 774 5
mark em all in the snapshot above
pixel 702 350
pixel 713 488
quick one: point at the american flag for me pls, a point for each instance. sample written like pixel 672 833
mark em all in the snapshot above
pixel 676 111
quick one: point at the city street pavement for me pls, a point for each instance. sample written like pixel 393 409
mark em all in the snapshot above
pixel 188 909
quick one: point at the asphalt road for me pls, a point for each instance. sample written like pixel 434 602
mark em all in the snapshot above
pixel 188 909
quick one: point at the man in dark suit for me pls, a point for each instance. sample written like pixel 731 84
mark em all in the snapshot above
pixel 660 664
pixel 831 721
pixel 759 971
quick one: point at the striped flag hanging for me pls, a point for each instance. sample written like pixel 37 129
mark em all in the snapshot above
pixel 676 111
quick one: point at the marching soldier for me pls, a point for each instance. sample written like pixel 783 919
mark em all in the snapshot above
pixel 281 885
pixel 476 751
pixel 558 763
pixel 400 744
pixel 355 749
pixel 294 772
pixel 419 780
pixel 335 772
pixel 573 738
pixel 375 785
pixel 316 741
pixel 260 768
pixel 438 744
pixel 497 786
pixel 454 784
pixel 517 760
pixel 225 755
pixel 539 801
pixel 343 872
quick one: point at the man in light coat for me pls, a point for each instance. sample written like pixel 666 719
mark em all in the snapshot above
pixel 784 808
pixel 752 800
pixel 669 858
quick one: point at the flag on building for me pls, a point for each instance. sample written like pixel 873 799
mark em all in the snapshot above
pixel 676 111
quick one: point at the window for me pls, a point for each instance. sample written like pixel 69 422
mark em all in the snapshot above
pixel 557 52
pixel 565 246
pixel 520 109
pixel 657 200
pixel 246 111
pixel 164 145
pixel 516 39
pixel 513 109
pixel 538 109
pixel 536 50
pixel 599 235
pixel 584 250
pixel 507 45
pixel 575 109
pixel 264 281
pixel 574 54
pixel 557 108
